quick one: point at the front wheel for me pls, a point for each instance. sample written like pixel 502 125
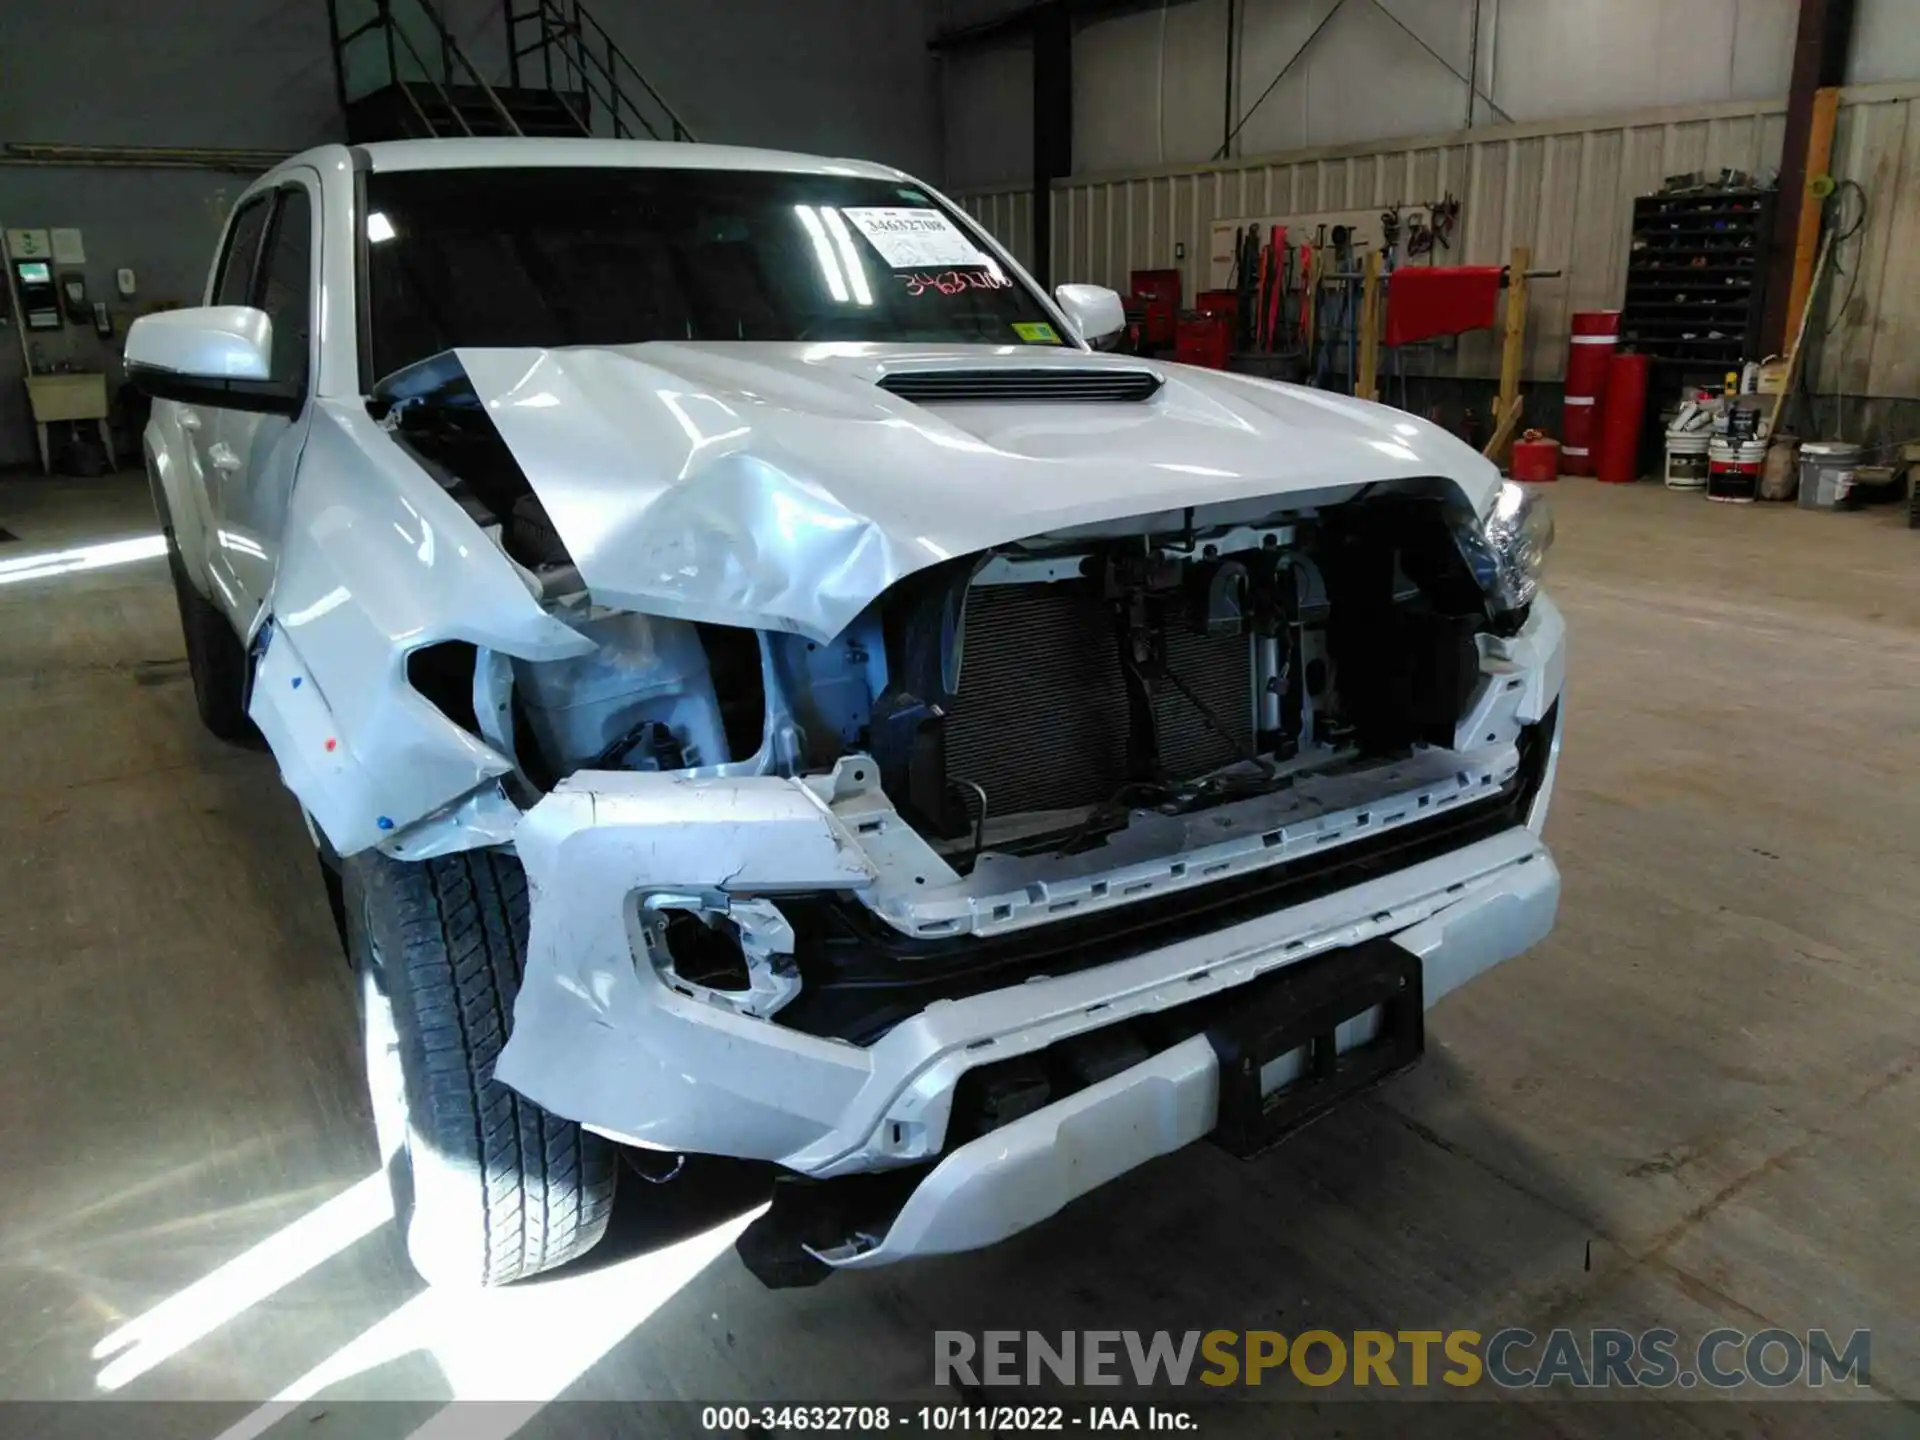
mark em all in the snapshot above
pixel 488 1188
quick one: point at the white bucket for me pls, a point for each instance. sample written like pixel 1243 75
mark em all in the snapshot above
pixel 1826 473
pixel 1687 459
pixel 1733 469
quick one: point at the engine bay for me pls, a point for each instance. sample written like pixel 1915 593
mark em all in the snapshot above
pixel 1066 722
pixel 1049 708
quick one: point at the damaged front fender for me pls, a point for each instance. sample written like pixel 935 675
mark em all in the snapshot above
pixel 378 562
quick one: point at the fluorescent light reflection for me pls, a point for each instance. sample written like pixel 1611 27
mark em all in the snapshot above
pixel 48 563
pixel 519 1347
pixel 243 1282
pixel 843 237
pixel 823 253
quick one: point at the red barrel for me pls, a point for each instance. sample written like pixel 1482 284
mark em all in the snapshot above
pixel 1589 349
pixel 1617 445
pixel 1536 459
pixel 1595 333
pixel 1576 434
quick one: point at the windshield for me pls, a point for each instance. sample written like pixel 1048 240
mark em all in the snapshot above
pixel 597 256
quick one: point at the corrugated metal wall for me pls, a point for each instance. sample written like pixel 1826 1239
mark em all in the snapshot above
pixel 1871 344
pixel 1565 191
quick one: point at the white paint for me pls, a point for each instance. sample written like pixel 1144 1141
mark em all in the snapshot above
pixel 1025 1171
pixel 1096 313
pixel 213 342
pixel 378 561
pixel 799 520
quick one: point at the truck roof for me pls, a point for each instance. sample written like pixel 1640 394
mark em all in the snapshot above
pixel 518 153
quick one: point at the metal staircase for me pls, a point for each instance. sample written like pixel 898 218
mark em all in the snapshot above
pixel 401 73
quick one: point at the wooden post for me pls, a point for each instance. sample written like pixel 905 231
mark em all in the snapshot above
pixel 1367 381
pixel 1799 335
pixel 1512 354
pixel 1826 107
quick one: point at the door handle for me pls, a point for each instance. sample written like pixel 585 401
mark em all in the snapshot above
pixel 189 419
pixel 220 455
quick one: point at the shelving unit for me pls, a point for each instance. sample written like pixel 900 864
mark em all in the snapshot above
pixel 1696 277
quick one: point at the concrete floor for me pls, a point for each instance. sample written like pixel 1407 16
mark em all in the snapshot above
pixel 1696 1104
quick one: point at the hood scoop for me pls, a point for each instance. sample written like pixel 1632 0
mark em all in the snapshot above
pixel 1053 385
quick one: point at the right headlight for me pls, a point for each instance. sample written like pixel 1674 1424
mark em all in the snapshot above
pixel 1508 549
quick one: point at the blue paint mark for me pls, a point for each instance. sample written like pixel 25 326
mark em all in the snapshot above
pixel 385 823
pixel 296 682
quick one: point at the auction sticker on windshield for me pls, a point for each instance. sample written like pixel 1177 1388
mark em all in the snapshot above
pixel 907 238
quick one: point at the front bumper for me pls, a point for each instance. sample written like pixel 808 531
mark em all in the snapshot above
pixel 598 1038
pixel 1025 1171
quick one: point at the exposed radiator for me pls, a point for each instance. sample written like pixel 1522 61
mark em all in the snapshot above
pixel 1040 721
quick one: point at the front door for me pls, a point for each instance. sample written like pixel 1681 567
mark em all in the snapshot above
pixel 205 461
pixel 251 458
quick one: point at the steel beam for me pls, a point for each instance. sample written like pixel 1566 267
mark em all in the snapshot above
pixel 1819 60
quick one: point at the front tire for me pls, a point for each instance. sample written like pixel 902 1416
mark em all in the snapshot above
pixel 488 1188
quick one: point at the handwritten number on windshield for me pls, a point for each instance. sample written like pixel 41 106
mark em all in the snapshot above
pixel 953 282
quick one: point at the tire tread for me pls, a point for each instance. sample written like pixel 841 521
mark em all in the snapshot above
pixel 544 1187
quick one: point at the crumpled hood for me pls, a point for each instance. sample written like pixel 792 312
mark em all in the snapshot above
pixel 777 486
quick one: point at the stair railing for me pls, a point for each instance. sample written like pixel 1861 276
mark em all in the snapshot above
pixel 451 56
pixel 590 61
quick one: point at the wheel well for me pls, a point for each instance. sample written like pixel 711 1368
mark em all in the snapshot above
pixel 158 494
pixel 336 902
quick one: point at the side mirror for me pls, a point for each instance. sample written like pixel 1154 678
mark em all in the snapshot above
pixel 1095 313
pixel 215 355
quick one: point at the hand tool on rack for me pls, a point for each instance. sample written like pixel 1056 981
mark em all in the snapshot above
pixel 1234 278
pixel 1248 262
pixel 1277 244
pixel 1265 269
pixel 1309 262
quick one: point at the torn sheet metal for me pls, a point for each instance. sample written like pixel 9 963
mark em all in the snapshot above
pixel 379 561
pixel 599 1038
pixel 777 486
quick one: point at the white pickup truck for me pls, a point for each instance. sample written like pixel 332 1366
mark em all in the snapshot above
pixel 763 683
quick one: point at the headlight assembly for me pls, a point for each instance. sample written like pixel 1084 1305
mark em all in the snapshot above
pixel 1507 550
